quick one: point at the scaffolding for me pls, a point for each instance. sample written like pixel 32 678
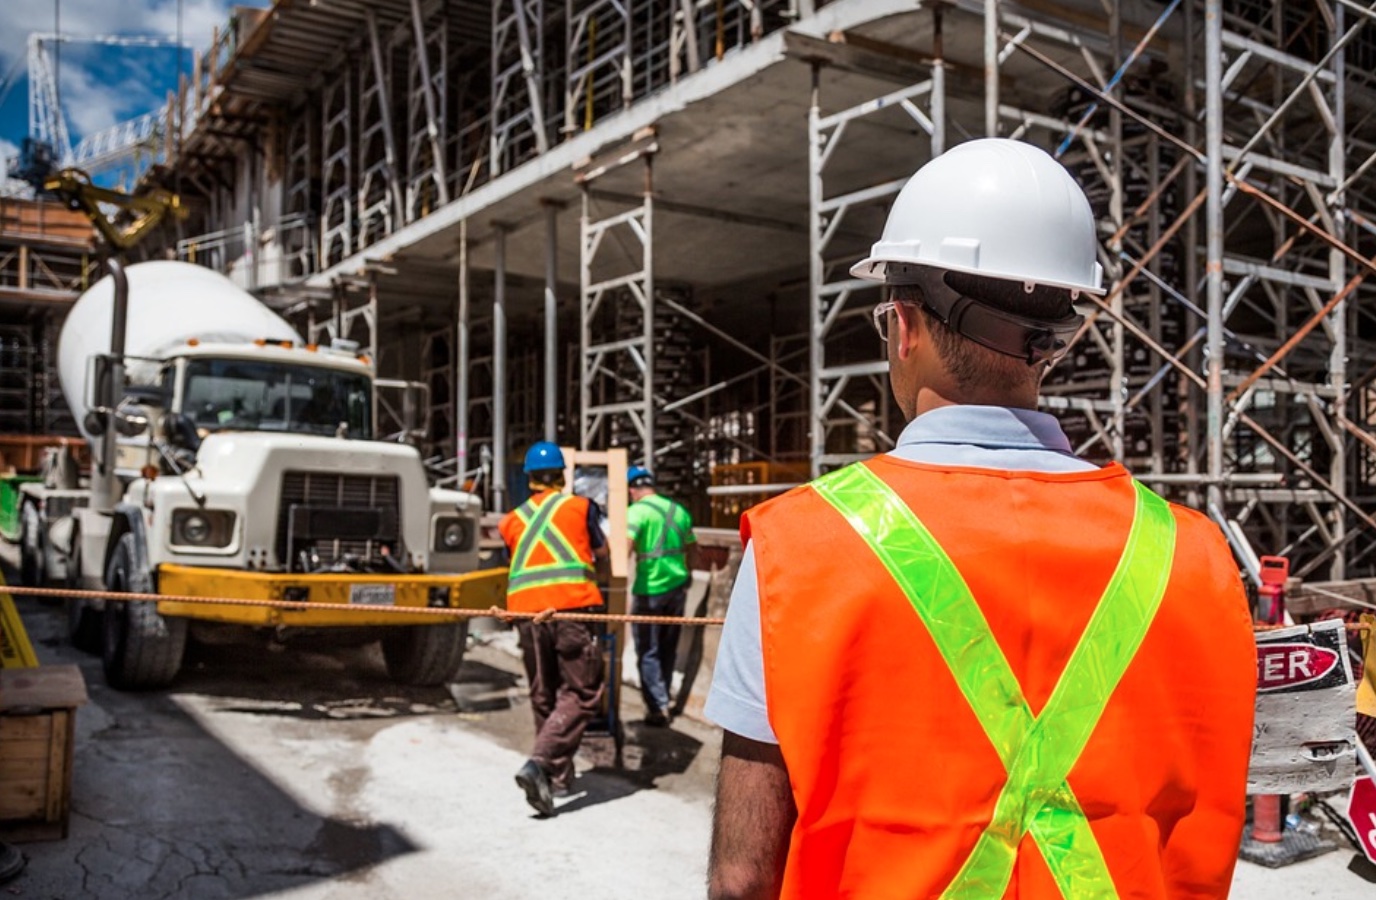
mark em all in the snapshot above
pixel 1228 148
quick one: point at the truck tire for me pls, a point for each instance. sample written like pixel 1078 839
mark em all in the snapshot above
pixel 140 648
pixel 83 618
pixel 425 655
pixel 30 546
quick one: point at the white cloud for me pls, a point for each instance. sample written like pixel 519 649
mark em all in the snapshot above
pixel 90 104
pixel 7 151
pixel 91 17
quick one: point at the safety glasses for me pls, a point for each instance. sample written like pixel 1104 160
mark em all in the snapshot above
pixel 881 317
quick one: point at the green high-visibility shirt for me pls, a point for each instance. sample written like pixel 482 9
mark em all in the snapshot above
pixel 661 531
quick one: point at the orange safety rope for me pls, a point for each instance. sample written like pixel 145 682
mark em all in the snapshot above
pixel 304 605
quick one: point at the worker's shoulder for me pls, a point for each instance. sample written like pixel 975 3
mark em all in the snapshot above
pixel 1189 518
pixel 1200 537
pixel 795 500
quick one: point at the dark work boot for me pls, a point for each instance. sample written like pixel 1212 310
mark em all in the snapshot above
pixel 535 783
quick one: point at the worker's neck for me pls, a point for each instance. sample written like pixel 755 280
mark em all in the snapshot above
pixel 930 398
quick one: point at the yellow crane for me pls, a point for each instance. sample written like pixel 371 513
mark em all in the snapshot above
pixel 138 213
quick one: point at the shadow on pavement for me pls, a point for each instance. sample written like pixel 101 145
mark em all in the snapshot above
pixel 162 808
pixel 313 678
pixel 648 755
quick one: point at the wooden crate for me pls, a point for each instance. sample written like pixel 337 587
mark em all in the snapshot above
pixel 37 730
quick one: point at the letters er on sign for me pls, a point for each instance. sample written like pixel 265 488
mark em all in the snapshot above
pixel 1305 738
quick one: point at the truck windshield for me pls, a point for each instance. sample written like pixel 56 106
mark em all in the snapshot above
pixel 251 395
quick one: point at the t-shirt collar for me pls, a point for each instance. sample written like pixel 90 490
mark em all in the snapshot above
pixel 987 426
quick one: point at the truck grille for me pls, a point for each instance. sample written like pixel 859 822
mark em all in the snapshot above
pixel 338 515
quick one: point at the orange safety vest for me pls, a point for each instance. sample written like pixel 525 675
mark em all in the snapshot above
pixel 554 568
pixel 895 775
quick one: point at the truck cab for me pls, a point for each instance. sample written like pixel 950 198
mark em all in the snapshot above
pixel 250 488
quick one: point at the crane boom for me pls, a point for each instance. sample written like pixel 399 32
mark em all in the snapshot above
pixel 147 208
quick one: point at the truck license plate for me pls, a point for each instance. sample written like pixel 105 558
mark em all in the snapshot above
pixel 373 594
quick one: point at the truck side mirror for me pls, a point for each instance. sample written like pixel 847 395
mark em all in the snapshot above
pixel 145 395
pixel 131 422
pixel 181 431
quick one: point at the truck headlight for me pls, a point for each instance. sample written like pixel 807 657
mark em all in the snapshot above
pixel 202 527
pixel 453 534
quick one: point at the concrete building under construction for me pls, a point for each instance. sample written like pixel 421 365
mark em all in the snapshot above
pixel 629 223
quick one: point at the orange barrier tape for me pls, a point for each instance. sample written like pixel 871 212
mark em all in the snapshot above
pixel 305 605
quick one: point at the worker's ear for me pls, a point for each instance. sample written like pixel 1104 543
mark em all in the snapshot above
pixel 908 330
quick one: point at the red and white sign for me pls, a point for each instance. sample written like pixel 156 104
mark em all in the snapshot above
pixel 1281 666
pixel 1361 812
pixel 1305 696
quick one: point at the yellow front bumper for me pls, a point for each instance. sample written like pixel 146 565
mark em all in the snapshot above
pixel 372 598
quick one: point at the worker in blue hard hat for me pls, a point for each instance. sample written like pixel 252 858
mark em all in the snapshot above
pixel 555 541
pixel 661 532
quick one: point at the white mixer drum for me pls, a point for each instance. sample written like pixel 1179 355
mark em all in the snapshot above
pixel 169 303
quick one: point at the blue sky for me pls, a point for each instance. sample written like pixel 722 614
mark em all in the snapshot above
pixel 101 86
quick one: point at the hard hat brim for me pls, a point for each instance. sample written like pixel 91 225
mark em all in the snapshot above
pixel 876 267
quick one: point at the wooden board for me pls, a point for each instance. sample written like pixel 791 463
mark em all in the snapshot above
pixel 36 774
pixel 618 498
pixel 37 729
pixel 42 688
pixel 45 222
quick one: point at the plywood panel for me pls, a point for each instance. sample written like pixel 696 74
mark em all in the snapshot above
pixel 46 687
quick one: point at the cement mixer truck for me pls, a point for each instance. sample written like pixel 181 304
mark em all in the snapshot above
pixel 233 460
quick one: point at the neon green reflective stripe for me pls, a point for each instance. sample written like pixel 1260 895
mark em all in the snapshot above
pixel 939 595
pixel 1038 753
pixel 534 533
pixel 546 575
pixel 1103 653
pixel 540 530
pixel 661 548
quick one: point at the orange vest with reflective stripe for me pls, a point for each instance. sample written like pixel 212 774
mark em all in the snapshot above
pixel 894 777
pixel 571 522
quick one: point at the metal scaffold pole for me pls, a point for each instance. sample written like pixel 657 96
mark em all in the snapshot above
pixel 499 447
pixel 551 319
pixel 617 311
pixel 1213 253
pixel 461 368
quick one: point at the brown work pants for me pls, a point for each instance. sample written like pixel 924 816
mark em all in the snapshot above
pixel 564 667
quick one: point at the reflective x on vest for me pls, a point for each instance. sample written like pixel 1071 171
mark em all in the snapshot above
pixel 661 547
pixel 1038 752
pixel 540 531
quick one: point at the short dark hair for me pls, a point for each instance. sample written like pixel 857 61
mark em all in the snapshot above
pixel 547 477
pixel 973 365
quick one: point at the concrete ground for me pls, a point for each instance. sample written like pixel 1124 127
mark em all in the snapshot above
pixel 306 774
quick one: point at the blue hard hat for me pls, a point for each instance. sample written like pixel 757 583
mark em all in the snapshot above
pixel 639 476
pixel 543 456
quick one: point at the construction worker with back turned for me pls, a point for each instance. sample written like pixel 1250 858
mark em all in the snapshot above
pixel 662 536
pixel 978 666
pixel 555 541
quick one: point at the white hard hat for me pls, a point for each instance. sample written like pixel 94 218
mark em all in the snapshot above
pixel 993 207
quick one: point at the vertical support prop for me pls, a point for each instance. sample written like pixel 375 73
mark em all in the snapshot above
pixel 499 500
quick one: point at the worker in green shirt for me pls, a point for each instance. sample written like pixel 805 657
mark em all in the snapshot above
pixel 662 536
